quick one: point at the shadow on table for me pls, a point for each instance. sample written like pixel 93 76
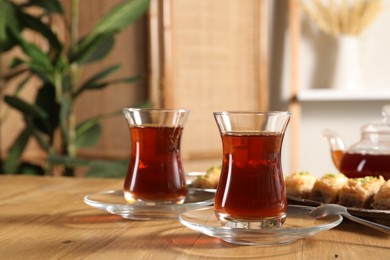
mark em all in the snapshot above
pixel 90 219
pixel 353 227
pixel 188 242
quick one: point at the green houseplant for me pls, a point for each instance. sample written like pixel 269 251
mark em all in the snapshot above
pixel 58 67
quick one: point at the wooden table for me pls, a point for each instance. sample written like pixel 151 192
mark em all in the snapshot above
pixel 46 218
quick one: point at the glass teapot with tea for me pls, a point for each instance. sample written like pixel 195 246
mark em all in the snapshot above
pixel 368 157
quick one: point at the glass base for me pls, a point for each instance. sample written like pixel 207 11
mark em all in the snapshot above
pixel 261 223
pixel 130 198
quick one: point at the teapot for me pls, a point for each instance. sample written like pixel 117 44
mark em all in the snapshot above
pixel 368 157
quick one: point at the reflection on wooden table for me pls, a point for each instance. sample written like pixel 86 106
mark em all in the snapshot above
pixel 46 218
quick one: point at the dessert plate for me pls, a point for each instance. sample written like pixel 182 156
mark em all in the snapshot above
pixel 113 201
pixel 379 216
pixel 298 225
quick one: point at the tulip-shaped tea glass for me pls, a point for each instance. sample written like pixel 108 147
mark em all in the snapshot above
pixel 155 175
pixel 251 191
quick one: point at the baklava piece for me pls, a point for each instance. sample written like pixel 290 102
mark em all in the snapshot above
pixel 209 180
pixel 382 197
pixel 359 192
pixel 327 188
pixel 300 184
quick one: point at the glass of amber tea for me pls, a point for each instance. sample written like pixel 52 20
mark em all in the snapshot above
pixel 251 191
pixel 155 174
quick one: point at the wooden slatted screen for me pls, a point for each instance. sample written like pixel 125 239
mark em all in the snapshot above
pixel 215 57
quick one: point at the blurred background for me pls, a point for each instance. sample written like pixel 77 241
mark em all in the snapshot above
pixel 223 55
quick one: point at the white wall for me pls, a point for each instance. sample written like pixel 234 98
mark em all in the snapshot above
pixel 317 53
pixel 316 56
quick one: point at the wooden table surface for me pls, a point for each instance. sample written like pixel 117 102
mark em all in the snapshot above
pixel 46 218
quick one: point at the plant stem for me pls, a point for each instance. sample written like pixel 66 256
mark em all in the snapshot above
pixel 1 103
pixel 71 150
pixel 74 24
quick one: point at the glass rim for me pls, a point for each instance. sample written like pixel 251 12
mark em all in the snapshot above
pixel 252 112
pixel 131 109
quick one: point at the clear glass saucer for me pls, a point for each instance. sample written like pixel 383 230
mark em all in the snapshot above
pixel 298 225
pixel 113 201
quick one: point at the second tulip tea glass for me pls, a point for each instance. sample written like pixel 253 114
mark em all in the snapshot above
pixel 251 191
pixel 155 174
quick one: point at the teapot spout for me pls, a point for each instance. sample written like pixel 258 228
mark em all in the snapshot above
pixel 337 146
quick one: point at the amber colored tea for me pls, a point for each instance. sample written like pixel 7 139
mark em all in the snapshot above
pixel 337 156
pixel 155 170
pixel 354 165
pixel 251 184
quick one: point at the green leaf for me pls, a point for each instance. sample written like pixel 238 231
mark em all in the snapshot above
pixel 9 43
pixel 88 133
pixel 26 108
pixel 92 82
pixel 8 21
pixel 100 75
pixel 61 65
pixel 39 61
pixel 21 85
pixel 13 74
pixel 41 140
pixel 124 80
pixel 37 25
pixel 95 50
pixel 67 161
pixel 121 16
pixel 146 104
pixel 4 9
pixel 49 6
pixel 12 162
pixel 100 85
pixel 46 77
pixel 16 62
pixel 30 169
pixel 114 82
pixel 108 169
pixel 46 100
pixel 114 21
pixel 33 114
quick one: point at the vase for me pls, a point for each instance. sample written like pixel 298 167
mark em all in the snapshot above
pixel 347 74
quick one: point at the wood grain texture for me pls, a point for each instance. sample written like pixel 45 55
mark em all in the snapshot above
pixel 45 218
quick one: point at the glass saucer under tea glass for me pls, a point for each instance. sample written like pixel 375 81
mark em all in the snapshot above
pixel 299 224
pixel 113 201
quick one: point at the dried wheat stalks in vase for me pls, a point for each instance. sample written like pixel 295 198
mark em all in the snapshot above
pixel 348 17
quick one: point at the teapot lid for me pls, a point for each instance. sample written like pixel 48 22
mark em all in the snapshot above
pixel 380 126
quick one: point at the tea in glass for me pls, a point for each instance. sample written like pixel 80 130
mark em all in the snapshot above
pixel 251 191
pixel 155 173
